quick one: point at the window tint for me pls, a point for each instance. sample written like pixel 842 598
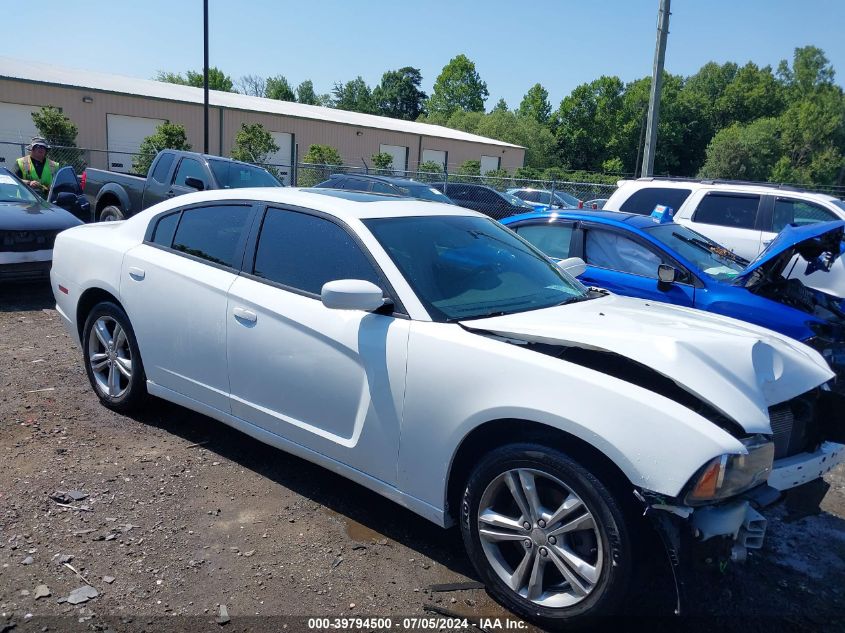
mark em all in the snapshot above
pixel 213 233
pixel 189 168
pixel 165 229
pixel 163 167
pixel 798 212
pixel 644 200
pixel 735 211
pixel 381 187
pixel 304 252
pixel 552 239
pixel 607 249
pixel 231 175
pixel 354 184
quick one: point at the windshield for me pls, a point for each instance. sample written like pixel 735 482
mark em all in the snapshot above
pixel 712 259
pixel 238 175
pixel 515 200
pixel 424 192
pixel 566 199
pixel 468 267
pixel 12 190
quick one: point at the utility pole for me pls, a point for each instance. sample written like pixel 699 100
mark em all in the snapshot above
pixel 656 85
pixel 205 72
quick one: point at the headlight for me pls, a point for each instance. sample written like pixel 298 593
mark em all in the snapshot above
pixel 730 474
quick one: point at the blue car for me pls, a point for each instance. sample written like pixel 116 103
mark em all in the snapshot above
pixel 641 256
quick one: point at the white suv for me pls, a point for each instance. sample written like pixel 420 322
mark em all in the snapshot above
pixel 741 217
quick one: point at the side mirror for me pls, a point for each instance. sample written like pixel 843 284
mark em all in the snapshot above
pixel 194 183
pixel 573 265
pixel 66 200
pixel 666 274
pixel 352 294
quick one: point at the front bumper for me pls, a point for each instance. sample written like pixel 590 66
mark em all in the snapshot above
pixel 803 468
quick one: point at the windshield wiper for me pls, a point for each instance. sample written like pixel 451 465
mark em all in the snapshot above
pixel 713 249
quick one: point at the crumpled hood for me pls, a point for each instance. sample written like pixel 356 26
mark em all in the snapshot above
pixel 809 241
pixel 737 368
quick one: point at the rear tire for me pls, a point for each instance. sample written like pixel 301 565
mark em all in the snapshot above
pixel 111 213
pixel 546 536
pixel 112 360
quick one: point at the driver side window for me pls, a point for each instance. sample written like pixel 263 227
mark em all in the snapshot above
pixel 610 250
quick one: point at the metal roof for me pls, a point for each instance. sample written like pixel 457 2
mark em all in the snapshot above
pixel 11 68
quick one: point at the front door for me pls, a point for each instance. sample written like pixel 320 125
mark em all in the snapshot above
pixel 329 380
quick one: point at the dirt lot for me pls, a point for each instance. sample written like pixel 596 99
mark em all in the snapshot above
pixel 183 514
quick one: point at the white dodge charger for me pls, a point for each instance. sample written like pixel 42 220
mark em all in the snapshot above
pixel 432 355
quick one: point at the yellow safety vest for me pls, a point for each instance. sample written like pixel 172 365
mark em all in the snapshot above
pixel 28 170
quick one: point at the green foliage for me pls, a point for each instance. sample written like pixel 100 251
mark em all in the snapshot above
pixel 399 95
pixel 613 166
pixel 537 139
pixel 320 160
pixel 217 79
pixel 431 171
pixel 383 162
pixel 458 87
pixel 166 136
pixel 305 93
pixel 501 106
pixel 354 95
pixel 535 104
pixel 278 88
pixel 468 171
pixel 743 152
pixel 253 144
pixel 60 132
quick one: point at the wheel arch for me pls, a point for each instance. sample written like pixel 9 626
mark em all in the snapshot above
pixel 88 299
pixel 496 433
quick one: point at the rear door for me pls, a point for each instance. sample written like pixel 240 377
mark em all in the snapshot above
pixel 174 288
pixel 157 187
pixel 329 380
pixel 188 168
pixel 627 265
pixel 731 220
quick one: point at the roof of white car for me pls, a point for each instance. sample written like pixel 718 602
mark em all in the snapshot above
pixel 642 183
pixel 340 203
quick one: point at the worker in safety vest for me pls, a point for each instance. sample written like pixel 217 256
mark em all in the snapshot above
pixel 36 170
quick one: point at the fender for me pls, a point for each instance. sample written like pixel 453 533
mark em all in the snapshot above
pixel 119 192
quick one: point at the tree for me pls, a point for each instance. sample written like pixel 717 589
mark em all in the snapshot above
pixel 167 136
pixel 319 160
pixel 501 106
pixel 305 93
pixel 278 88
pixel 537 139
pixel 535 104
pixel 810 70
pixel 398 95
pixel 253 144
pixel 458 87
pixel 745 152
pixel 753 93
pixel 469 168
pixel 60 132
pixel 383 162
pixel 354 95
pixel 252 85
pixel 217 79
pixel 430 171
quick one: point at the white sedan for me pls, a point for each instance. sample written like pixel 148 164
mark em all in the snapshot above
pixel 432 355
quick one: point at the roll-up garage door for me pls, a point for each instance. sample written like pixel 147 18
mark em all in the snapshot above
pixel 16 130
pixel 281 160
pixel 399 154
pixel 489 163
pixel 125 135
pixel 435 156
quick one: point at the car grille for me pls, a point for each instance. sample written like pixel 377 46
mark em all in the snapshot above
pixel 25 241
pixel 794 426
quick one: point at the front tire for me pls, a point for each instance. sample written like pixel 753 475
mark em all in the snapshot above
pixel 546 536
pixel 112 360
pixel 111 213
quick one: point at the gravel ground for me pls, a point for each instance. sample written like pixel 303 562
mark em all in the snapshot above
pixel 182 514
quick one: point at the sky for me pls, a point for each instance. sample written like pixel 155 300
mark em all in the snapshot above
pixel 514 44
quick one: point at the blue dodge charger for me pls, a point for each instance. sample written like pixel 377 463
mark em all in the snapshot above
pixel 654 258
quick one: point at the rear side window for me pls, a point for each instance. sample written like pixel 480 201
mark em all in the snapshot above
pixel 304 252
pixel 231 175
pixel 189 168
pixel 382 187
pixel 165 229
pixel 798 212
pixel 552 239
pixel 734 211
pixel 644 200
pixel 163 167
pixel 213 233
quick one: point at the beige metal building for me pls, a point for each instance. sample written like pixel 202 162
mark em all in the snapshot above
pixel 115 113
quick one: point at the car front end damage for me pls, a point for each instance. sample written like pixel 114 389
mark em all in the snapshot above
pixel 720 515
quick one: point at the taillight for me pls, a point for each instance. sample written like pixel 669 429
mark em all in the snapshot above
pixel 580 204
pixel 83 178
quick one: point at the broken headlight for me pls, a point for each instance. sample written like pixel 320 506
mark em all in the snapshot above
pixel 730 474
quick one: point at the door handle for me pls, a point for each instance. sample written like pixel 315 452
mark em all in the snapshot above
pixel 245 315
pixel 136 273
